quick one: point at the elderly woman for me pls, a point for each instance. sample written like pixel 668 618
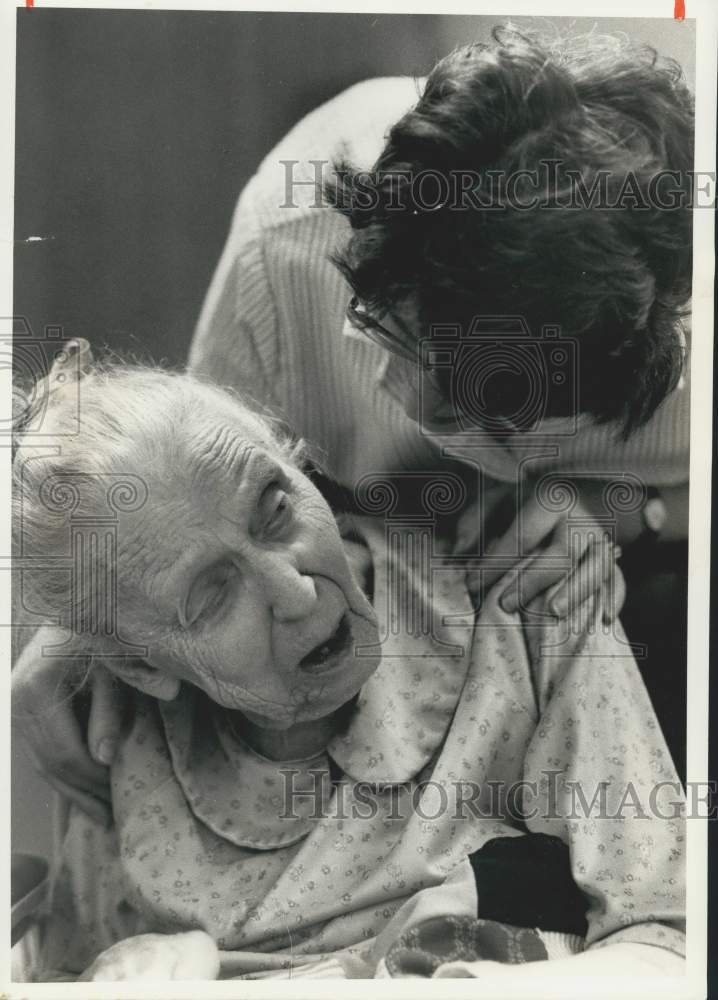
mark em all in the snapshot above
pixel 307 770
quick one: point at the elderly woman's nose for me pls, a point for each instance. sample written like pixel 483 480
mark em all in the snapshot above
pixel 291 593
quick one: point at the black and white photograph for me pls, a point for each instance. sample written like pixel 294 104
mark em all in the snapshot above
pixel 358 368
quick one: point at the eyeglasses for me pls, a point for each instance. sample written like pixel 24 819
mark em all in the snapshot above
pixel 399 342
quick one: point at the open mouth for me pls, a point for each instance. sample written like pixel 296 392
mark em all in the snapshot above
pixel 329 652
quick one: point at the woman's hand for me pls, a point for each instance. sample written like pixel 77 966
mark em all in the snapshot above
pixel 192 955
pixel 548 538
pixel 44 691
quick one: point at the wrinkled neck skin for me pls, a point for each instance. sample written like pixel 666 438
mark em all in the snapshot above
pixel 299 742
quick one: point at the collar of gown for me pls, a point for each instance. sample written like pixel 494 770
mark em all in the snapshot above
pixel 400 720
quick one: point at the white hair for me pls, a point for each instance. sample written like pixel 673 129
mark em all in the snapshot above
pixel 128 417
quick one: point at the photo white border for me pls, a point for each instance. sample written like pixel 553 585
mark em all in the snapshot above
pixel 693 986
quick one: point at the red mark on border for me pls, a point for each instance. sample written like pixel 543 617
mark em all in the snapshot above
pixel 29 3
pixel 679 10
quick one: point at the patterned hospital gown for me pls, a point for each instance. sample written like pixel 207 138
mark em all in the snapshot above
pixel 459 713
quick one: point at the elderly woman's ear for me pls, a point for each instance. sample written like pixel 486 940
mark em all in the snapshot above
pixel 144 677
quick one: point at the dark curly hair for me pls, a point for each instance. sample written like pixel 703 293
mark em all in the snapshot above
pixel 616 275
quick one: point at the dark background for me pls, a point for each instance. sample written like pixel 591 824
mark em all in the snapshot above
pixel 136 131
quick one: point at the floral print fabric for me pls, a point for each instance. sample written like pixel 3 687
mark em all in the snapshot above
pixel 462 735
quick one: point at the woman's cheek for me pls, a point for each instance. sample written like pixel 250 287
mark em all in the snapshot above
pixel 232 672
pixel 241 646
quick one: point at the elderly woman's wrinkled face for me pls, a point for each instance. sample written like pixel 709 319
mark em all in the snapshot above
pixel 237 579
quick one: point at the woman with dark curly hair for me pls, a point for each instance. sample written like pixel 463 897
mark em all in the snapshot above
pixel 532 178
